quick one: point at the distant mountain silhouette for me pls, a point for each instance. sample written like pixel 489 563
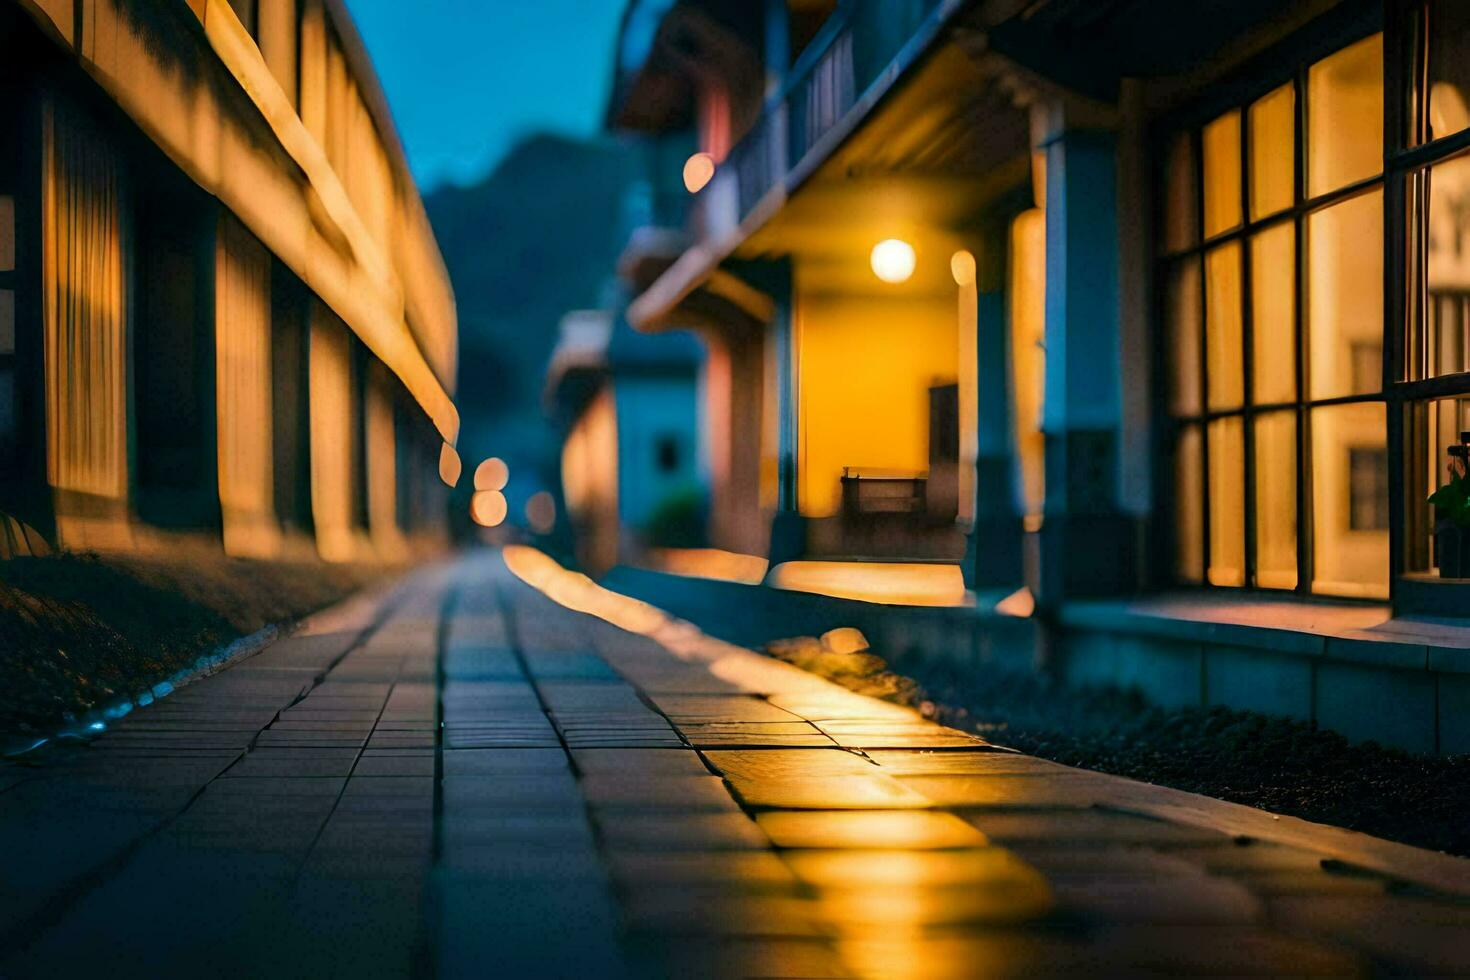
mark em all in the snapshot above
pixel 534 239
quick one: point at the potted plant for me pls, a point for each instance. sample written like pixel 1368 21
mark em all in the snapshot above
pixel 1452 511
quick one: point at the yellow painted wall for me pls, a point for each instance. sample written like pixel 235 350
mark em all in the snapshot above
pixel 864 369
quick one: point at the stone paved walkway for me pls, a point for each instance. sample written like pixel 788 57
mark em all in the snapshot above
pixel 472 776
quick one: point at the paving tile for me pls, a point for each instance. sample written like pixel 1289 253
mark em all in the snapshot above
pixel 594 761
pixel 1160 900
pixel 1081 790
pixel 663 831
pixel 1224 951
pixel 756 871
pixel 658 791
pixel 960 763
pixel 855 792
pixel 464 762
pixel 895 909
pixel 671 913
pixel 869 829
pixel 1089 827
pixel 743 958
pixel 415 765
pixel 848 868
pixel 794 763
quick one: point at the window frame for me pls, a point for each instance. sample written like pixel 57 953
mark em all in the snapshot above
pixel 1408 155
pixel 1257 82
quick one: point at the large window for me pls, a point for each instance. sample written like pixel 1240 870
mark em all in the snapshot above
pixel 1271 267
pixel 1429 164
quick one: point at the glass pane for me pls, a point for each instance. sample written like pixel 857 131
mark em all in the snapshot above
pixel 1447 268
pixel 1189 517
pixel 1350 500
pixel 1273 151
pixel 1227 501
pixel 1276 500
pixel 1224 370
pixel 1345 297
pixel 7 233
pixel 7 321
pixel 1184 332
pixel 1449 67
pixel 1181 215
pixel 1345 116
pixel 1222 174
pixel 1273 314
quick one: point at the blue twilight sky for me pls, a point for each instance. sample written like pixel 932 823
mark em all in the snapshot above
pixel 466 79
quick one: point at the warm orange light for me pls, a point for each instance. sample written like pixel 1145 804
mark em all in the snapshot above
pixel 962 267
pixel 541 512
pixel 449 465
pixel 698 170
pixel 492 474
pixel 893 260
pixel 488 508
pixel 712 563
pixel 892 583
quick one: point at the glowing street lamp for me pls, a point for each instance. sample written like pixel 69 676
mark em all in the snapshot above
pixel 893 260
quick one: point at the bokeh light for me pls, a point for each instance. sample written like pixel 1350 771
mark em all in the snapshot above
pixel 698 170
pixel 893 260
pixel 492 474
pixel 488 508
pixel 962 267
pixel 541 512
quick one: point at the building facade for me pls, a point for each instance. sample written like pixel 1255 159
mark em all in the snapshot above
pixel 223 316
pixel 1144 320
pixel 634 483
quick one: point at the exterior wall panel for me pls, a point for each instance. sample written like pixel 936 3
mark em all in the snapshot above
pixel 243 366
pixel 85 325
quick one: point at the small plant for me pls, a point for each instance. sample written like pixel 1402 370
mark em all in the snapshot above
pixel 1452 500
pixel 1452 506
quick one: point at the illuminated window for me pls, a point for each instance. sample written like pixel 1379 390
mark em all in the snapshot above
pixel 1273 148
pixel 1433 170
pixel 1275 385
pixel 1345 117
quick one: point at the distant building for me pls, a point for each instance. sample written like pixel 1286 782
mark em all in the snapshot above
pixel 1094 300
pixel 633 475
pixel 223 316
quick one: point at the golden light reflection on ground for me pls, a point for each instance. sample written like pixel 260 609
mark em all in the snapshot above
pixel 889 583
pixel 881 829
pixel 727 566
pixel 887 875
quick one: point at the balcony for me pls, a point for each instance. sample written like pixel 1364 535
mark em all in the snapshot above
pixel 861 49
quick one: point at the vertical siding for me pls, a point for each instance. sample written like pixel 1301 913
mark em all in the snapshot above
pixel 331 436
pixel 243 377
pixel 381 454
pixel 85 315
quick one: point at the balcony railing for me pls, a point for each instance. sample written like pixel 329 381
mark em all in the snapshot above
pixel 852 50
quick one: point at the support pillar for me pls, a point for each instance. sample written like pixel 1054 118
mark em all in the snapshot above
pixel 1089 545
pixel 994 546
